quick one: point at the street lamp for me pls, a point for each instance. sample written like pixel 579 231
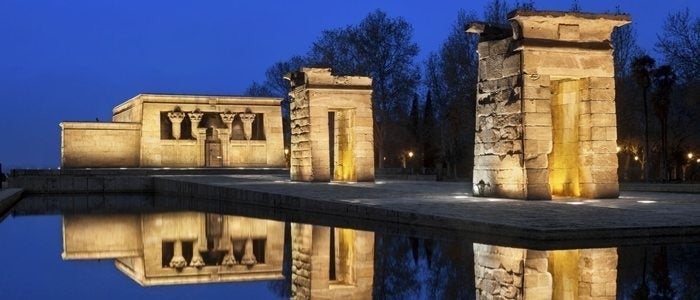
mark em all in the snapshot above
pixel 636 157
pixel 690 155
pixel 410 154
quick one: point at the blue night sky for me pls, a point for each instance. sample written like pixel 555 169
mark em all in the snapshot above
pixel 76 60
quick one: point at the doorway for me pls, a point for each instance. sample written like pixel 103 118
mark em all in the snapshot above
pixel 212 150
pixel 564 159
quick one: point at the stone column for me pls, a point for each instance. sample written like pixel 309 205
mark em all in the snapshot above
pixel 228 119
pixel 247 119
pixel 178 261
pixel 201 141
pixel 176 118
pixel 248 258
pixel 195 118
pixel 225 138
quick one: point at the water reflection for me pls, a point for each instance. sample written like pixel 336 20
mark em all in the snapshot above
pixel 158 241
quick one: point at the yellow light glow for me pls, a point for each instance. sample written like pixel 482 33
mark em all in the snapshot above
pixel 636 157
pixel 286 151
pixel 698 160
pixel 690 155
pixel 410 154
pixel 618 148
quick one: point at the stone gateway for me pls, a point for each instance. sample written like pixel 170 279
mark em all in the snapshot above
pixel 545 111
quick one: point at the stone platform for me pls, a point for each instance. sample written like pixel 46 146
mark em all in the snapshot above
pixel 420 208
pixel 440 209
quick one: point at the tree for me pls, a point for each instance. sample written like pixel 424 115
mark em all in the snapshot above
pixel 664 79
pixel 428 133
pixel 642 67
pixel 451 76
pixel 382 48
pixel 496 11
pixel 575 7
pixel 680 44
pixel 276 86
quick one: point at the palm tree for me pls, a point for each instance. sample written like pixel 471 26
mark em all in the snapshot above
pixel 641 71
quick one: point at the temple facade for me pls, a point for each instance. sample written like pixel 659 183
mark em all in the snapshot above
pixel 153 130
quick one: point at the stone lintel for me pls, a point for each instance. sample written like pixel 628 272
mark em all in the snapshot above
pixel 565 26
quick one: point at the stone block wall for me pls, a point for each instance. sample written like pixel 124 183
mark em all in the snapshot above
pixel 498 149
pixel 315 93
pixel 91 144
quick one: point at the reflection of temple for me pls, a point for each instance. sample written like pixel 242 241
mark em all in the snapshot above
pixel 179 131
pixel 192 247
pixel 179 248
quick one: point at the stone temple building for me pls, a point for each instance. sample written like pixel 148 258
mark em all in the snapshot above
pixel 545 111
pixel 153 130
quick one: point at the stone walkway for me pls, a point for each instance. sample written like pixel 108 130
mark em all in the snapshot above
pixel 446 208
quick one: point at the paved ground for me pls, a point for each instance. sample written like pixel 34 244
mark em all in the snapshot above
pixel 447 208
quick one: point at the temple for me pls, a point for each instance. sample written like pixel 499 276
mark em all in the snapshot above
pixel 152 130
pixel 545 111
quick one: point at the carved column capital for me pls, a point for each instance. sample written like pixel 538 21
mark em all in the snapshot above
pixel 176 118
pixel 247 119
pixel 195 118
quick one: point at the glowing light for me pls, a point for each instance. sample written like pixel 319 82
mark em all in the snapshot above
pixel 698 160
pixel 636 157
pixel 379 182
pixel 286 151
pixel 690 155
pixel 646 201
pixel 461 197
pixel 410 154
pixel 618 148
pixel 575 203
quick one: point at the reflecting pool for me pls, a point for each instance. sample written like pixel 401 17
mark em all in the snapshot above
pixel 143 246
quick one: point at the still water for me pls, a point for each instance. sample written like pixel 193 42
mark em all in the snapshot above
pixel 137 247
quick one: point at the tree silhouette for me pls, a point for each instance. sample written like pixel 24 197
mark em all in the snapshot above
pixel 664 79
pixel 642 67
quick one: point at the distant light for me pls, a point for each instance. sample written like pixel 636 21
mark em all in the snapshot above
pixel 379 182
pixel 636 157
pixel 690 155
pixel 384 157
pixel 286 151
pixel 618 148
pixel 646 201
pixel 575 202
pixel 461 197
pixel 698 160
pixel 410 154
